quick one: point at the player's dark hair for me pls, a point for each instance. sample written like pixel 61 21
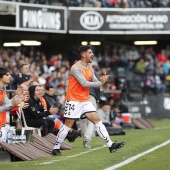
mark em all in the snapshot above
pixel 3 71
pixel 84 48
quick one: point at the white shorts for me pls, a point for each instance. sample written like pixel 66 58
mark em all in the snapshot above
pixel 76 110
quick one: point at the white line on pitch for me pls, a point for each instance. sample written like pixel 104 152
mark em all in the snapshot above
pixel 164 127
pixel 127 161
pixel 72 156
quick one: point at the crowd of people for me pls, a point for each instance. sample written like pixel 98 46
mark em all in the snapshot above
pixel 37 106
pixel 47 78
pixel 115 60
pixel 52 72
pixel 105 3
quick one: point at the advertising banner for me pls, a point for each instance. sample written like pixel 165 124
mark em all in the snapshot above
pixel 42 19
pixel 32 17
pixel 82 20
pixel 119 21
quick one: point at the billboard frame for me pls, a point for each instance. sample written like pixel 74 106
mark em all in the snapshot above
pixel 18 28
pixel 119 32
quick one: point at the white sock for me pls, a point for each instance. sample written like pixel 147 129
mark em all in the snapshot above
pixel 102 132
pixel 61 136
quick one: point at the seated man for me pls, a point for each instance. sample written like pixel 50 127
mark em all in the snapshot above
pixel 52 98
pixel 25 76
pixel 104 112
pixel 35 114
pixel 115 121
pixel 58 123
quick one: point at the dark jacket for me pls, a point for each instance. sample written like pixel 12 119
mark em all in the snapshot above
pixel 21 78
pixel 52 101
pixel 35 110
pixel 95 91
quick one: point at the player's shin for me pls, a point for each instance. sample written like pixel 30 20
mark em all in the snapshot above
pixel 102 132
pixel 61 136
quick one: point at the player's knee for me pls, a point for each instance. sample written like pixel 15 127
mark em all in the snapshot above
pixel 98 123
pixel 97 120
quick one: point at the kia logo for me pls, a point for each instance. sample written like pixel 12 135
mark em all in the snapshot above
pixel 91 20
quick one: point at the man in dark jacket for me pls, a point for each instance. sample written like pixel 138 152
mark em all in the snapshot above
pixel 25 76
pixel 35 114
pixel 52 99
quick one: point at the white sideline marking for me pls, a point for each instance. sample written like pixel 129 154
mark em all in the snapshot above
pixel 90 150
pixel 127 161
pixel 164 127
pixel 72 156
pixel 82 153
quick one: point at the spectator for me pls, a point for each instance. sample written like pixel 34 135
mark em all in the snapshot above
pixel 159 85
pixel 148 85
pixel 159 70
pixel 140 67
pixel 58 123
pixel 24 76
pixel 35 114
pixel 33 83
pixel 52 99
pixel 105 62
pixel 14 74
pixel 164 3
pixel 104 114
pixel 136 4
pixel 95 3
pixel 148 3
pixel 166 67
pixel 162 57
pixel 150 67
pixel 122 4
pixel 108 3
pixel 155 3
pixel 37 1
pixel 134 53
pixel 124 59
pixel 44 67
pixel 114 112
pixel 74 3
pixel 42 78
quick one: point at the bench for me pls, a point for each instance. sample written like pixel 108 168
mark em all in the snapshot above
pixel 39 147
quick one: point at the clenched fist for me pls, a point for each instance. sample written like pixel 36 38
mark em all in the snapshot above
pixel 16 100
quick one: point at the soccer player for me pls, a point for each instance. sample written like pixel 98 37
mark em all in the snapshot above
pixel 6 103
pixel 86 126
pixel 78 103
